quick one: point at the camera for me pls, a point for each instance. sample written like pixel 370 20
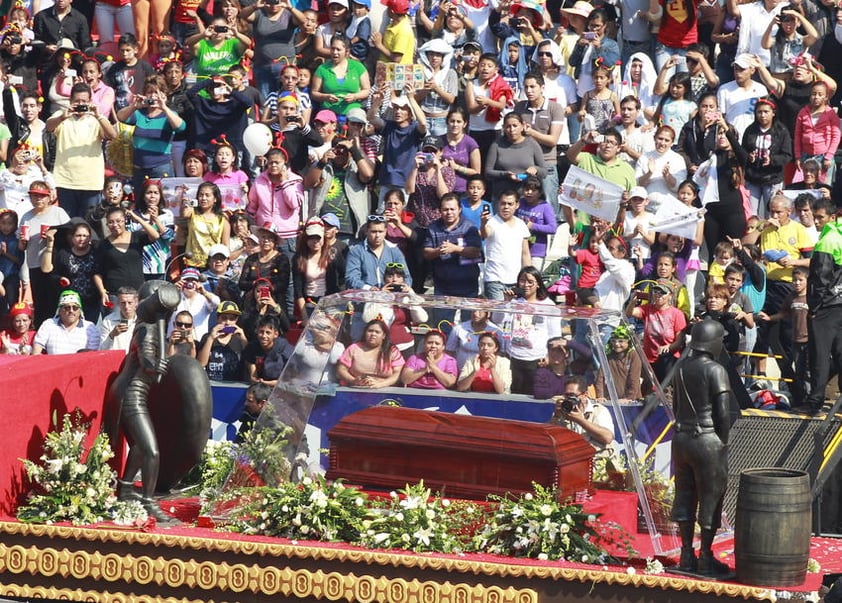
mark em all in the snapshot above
pixel 425 157
pixel 395 287
pixel 81 108
pixel 227 330
pixel 569 402
pixel 148 101
pixel 220 28
pixel 589 35
pixel 28 155
pixel 192 203
pixel 516 22
pixel 15 39
pixel 519 291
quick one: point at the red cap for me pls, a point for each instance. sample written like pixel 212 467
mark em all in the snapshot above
pixel 20 308
pixel 399 7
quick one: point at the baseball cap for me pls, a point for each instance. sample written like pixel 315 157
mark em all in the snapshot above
pixel 190 273
pixel 228 307
pixel 744 60
pixel 326 116
pixel 664 285
pixel 314 227
pixel 432 142
pixel 357 115
pixel 472 46
pixel 331 219
pixel 339 2
pixel 400 101
pixel 399 7
pixel 638 191
pixel 219 249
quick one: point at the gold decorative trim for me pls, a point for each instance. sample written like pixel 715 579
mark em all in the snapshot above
pixel 208 576
pixel 47 561
pixel 71 594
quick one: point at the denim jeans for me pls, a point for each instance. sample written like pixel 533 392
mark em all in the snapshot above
pixel 494 289
pixel 106 15
pixel 76 203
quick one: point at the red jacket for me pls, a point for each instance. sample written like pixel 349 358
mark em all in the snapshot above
pixel 821 139
pixel 498 87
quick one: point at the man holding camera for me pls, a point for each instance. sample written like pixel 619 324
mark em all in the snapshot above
pixel 80 166
pixel 577 412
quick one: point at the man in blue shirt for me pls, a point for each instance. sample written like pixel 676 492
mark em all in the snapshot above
pixel 454 248
pixel 367 261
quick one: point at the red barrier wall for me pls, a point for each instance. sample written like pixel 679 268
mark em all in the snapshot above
pixel 35 392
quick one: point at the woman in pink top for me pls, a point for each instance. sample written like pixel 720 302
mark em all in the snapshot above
pixel 431 369
pixel 102 95
pixel 277 195
pixel 373 361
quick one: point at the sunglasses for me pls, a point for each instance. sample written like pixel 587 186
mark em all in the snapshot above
pixel 376 218
pixel 658 292
pixel 70 308
pixel 545 54
pixel 183 325
pixel 397 265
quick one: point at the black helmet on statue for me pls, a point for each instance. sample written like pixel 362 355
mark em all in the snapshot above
pixel 706 336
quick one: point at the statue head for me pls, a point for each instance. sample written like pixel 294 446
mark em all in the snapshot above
pixel 706 336
pixel 158 300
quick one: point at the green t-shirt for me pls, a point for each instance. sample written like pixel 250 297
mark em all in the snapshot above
pixel 216 61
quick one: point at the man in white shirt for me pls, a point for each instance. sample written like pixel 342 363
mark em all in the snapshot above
pixel 115 330
pixel 506 246
pixel 754 20
pixel 68 332
pixel 736 99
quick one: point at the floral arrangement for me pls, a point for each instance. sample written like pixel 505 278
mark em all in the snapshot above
pixel 539 526
pixel 416 520
pixel 73 484
pixel 533 525
pixel 314 510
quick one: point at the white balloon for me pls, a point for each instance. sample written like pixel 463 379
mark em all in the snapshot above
pixel 257 139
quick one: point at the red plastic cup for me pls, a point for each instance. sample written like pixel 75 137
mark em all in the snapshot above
pixel 24 232
pixel 44 229
pixel 64 281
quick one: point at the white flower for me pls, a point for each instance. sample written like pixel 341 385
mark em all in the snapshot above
pixel 653 566
pixel 564 528
pixel 542 557
pixel 446 503
pixel 591 518
pixel 307 481
pixel 546 510
pixel 527 496
pixel 423 535
pixel 54 466
pixel 631 571
pixel 305 529
pixel 813 566
pixel 358 501
pixel 399 516
pixel 381 537
pixel 411 502
pixel 430 514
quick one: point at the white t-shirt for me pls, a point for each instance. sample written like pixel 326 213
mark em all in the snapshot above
pixel 629 224
pixel 737 104
pixel 754 19
pixel 503 249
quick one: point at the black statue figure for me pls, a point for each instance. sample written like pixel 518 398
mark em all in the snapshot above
pixel 700 446
pixel 134 401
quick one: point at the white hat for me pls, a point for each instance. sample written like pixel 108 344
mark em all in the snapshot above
pixel 219 249
pixel 638 191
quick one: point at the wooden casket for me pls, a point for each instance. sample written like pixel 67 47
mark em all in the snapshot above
pixel 460 455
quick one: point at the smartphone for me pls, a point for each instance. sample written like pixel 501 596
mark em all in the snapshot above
pixel 589 35
pixel 124 321
pixel 395 288
pixel 69 73
pixel 220 91
pixel 15 80
pixel 486 209
pixel 220 28
pixel 599 139
pixel 519 291
pixel 263 293
pixel 680 61
pixel 227 330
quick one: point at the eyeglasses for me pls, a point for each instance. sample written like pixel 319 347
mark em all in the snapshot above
pixel 376 218
pixel 396 265
pixel 70 308
pixel 183 325
pixel 658 292
pixel 545 54
pixel 609 142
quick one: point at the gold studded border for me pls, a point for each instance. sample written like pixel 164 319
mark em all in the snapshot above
pixel 239 578
pixel 311 551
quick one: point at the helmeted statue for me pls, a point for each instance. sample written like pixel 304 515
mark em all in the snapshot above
pixel 701 404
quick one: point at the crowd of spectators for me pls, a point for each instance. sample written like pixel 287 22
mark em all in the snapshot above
pixel 443 177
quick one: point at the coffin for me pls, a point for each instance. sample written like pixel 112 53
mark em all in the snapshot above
pixel 459 455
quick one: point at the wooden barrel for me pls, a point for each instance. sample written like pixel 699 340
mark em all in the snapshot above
pixel 773 526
